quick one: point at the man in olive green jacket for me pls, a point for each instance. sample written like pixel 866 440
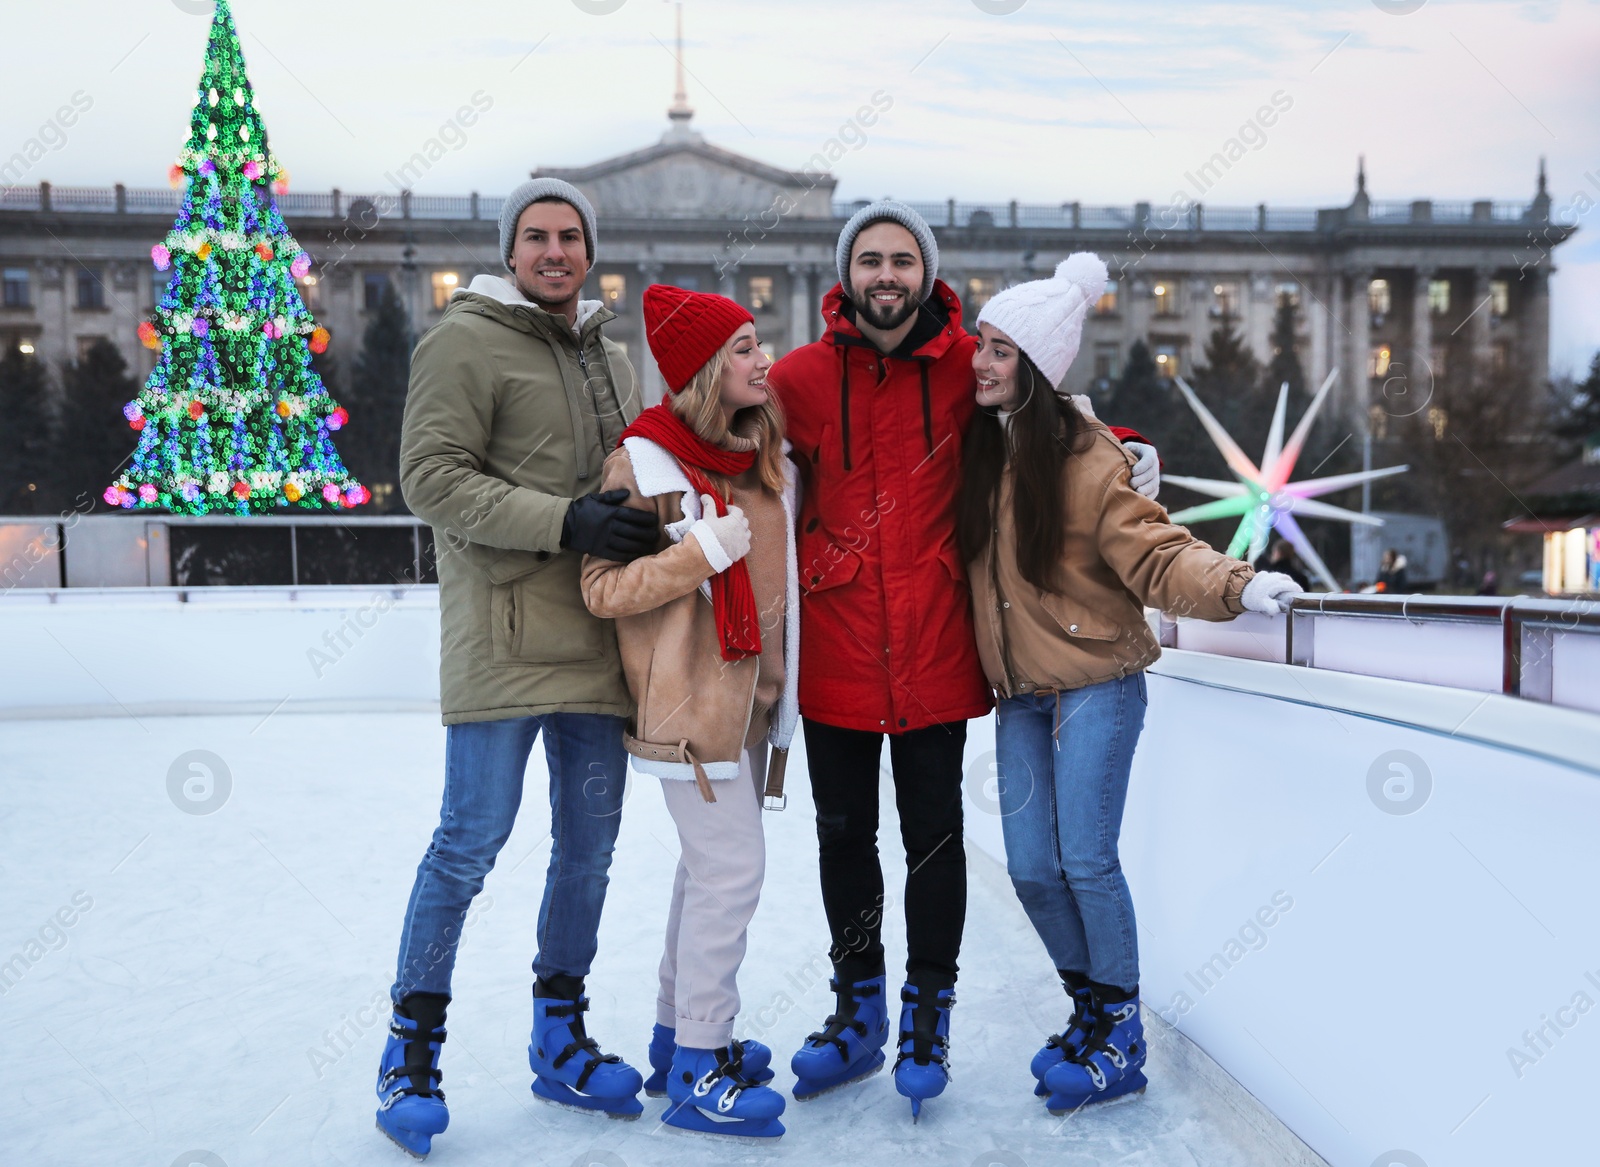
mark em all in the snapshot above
pixel 515 400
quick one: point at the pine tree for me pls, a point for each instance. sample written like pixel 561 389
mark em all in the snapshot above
pixel 24 433
pixel 1229 385
pixel 233 416
pixel 95 441
pixel 378 392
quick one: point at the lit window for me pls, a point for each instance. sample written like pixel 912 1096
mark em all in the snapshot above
pixel 1378 362
pixel 445 284
pixel 311 292
pixel 1106 357
pixel 614 292
pixel 1378 297
pixel 980 290
pixel 25 346
pixel 1227 299
pixel 1439 420
pixel 761 293
pixel 1500 297
pixel 91 288
pixel 1167 360
pixel 16 288
pixel 1166 295
pixel 1439 297
pixel 1286 292
pixel 1106 305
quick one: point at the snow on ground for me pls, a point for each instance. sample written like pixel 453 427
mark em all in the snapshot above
pixel 192 1008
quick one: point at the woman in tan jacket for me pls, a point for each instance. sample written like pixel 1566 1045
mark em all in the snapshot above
pixel 1064 556
pixel 709 634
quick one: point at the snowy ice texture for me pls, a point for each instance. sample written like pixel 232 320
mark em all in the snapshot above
pixel 224 992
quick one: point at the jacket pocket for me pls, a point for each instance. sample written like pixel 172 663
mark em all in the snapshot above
pixel 1078 621
pixel 538 617
pixel 825 562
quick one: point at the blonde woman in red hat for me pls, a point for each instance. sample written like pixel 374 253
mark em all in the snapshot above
pixel 709 634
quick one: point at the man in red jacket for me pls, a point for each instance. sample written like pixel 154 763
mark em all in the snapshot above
pixel 876 411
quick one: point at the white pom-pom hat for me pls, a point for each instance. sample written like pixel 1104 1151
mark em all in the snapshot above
pixel 1045 317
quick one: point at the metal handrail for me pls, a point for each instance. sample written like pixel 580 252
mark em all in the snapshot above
pixel 1529 628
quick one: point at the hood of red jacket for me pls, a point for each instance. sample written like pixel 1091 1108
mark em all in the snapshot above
pixel 838 319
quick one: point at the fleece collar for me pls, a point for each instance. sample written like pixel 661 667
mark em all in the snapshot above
pixel 500 289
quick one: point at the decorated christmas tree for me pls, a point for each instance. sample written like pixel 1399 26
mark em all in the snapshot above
pixel 233 416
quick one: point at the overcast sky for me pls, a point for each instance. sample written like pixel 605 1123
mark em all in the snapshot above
pixel 1043 101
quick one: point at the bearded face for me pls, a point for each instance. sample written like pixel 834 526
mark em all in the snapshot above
pixel 886 275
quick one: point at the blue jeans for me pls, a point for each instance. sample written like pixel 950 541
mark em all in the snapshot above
pixel 484 764
pixel 1061 802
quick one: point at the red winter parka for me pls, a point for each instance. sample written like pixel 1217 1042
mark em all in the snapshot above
pixel 886 632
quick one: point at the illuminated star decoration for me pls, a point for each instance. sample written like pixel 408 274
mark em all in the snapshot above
pixel 1264 496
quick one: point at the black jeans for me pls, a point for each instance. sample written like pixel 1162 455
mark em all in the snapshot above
pixel 927 792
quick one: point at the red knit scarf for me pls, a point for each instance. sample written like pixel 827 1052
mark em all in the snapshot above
pixel 733 599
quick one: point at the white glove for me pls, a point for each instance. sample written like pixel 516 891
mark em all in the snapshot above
pixel 725 539
pixel 1147 470
pixel 1269 593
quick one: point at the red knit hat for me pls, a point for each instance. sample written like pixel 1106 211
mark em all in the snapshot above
pixel 685 329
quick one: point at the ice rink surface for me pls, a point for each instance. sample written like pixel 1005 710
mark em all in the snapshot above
pixel 222 998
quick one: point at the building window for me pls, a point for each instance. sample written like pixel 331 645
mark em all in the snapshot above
pixel 1438 357
pixel 1439 420
pixel 980 290
pixel 1167 364
pixel 372 285
pixel 1166 297
pixel 1226 302
pixel 444 286
pixel 1500 298
pixel 1378 362
pixel 16 288
pixel 1439 297
pixel 85 343
pixel 159 282
pixel 91 288
pixel 1378 297
pixel 311 291
pixel 26 346
pixel 1106 305
pixel 614 292
pixel 1286 292
pixel 761 294
pixel 1106 359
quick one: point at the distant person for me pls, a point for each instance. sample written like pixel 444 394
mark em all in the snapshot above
pixel 1282 559
pixel 1490 585
pixel 1392 571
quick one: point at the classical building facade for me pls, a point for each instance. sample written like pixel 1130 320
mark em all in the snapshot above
pixel 1385 291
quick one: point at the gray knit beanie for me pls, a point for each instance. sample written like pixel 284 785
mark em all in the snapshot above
pixel 531 192
pixel 888 209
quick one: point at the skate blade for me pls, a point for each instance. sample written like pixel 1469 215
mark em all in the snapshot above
pixel 689 1120
pixel 832 1086
pixel 1099 1101
pixel 562 1095
pixel 419 1156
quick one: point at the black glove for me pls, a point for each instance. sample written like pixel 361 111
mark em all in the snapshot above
pixel 598 524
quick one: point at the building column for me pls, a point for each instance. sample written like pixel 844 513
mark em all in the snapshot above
pixel 1358 317
pixel 652 388
pixel 1478 328
pixel 799 306
pixel 1420 372
pixel 1533 324
pixel 725 280
pixel 1315 308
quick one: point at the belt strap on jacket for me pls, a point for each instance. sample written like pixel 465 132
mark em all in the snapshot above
pixel 679 754
pixel 773 797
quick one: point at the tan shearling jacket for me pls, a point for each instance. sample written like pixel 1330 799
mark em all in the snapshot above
pixel 1121 553
pixel 694 709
